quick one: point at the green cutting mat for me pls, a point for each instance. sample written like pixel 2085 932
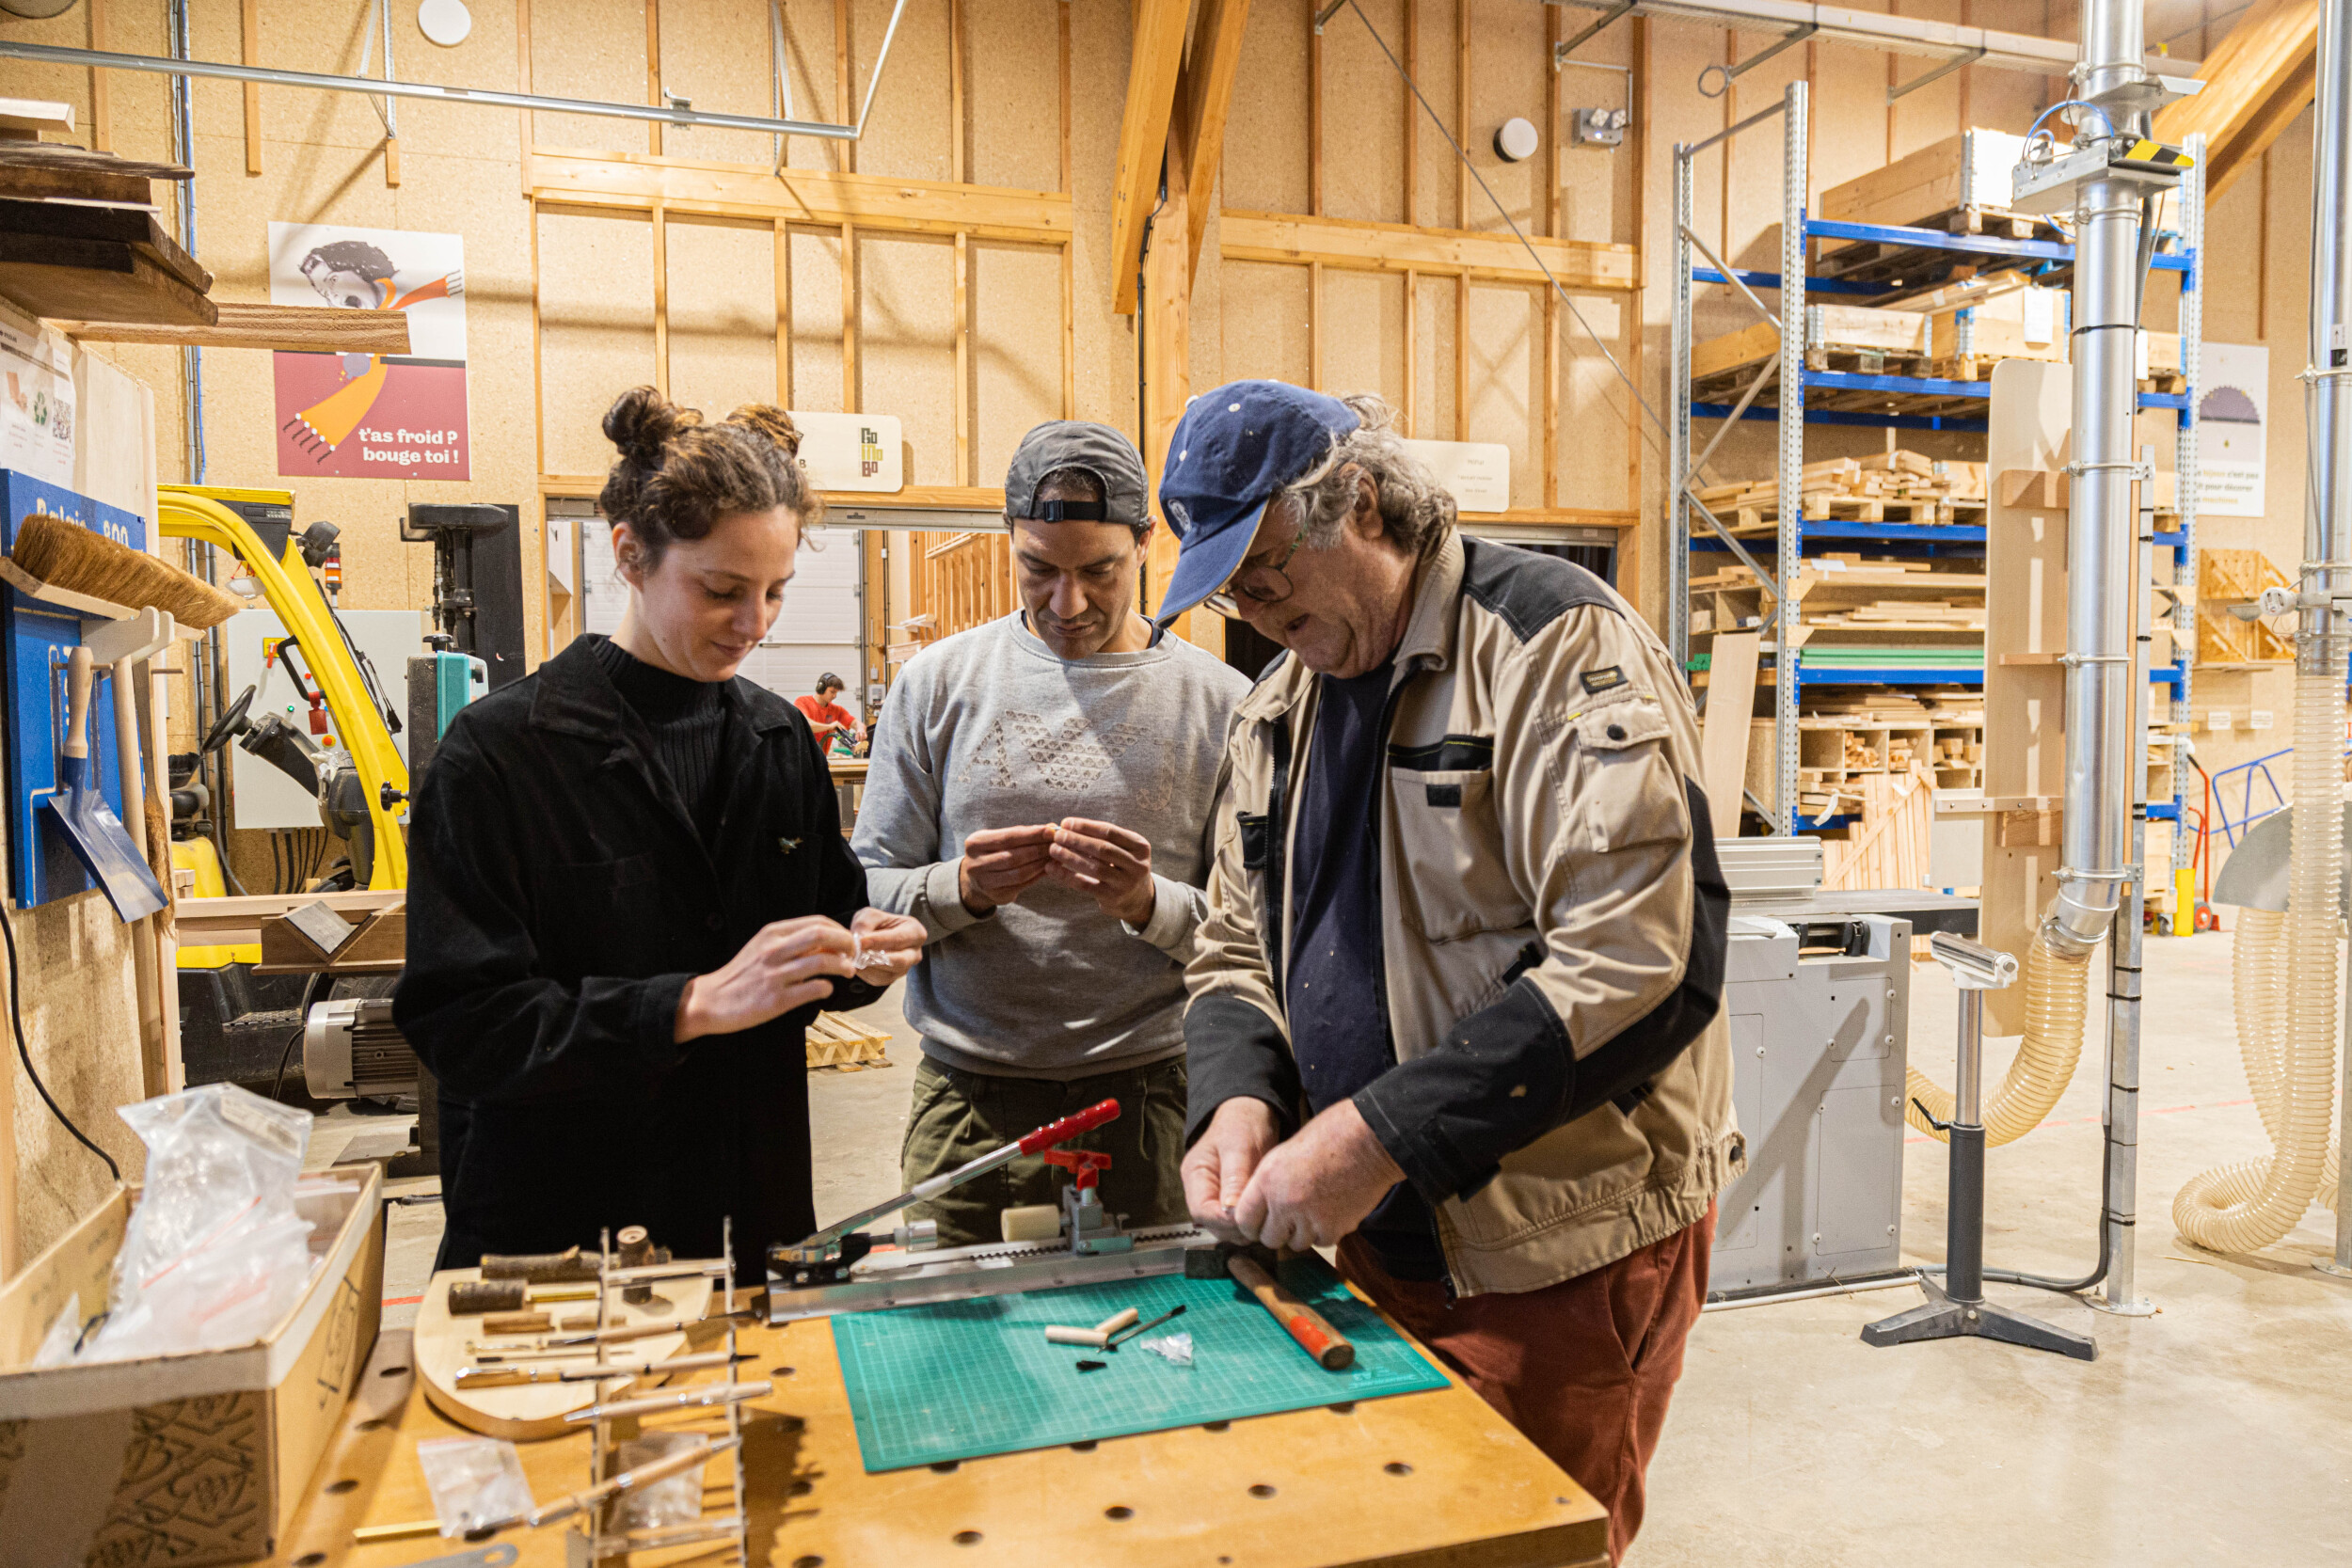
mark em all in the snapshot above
pixel 958 1380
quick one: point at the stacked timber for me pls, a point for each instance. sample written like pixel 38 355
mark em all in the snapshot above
pixel 79 238
pixel 1899 486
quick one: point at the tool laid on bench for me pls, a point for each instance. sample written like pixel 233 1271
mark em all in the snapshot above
pixel 842 1269
pixel 1253 1270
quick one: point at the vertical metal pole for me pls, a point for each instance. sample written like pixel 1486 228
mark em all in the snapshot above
pixel 1963 1262
pixel 1791 542
pixel 2120 1202
pixel 2328 527
pixel 1678 452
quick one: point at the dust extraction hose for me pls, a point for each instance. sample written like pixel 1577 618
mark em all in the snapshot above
pixel 2057 984
pixel 2287 1028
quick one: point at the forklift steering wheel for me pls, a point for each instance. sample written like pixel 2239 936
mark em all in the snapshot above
pixel 229 724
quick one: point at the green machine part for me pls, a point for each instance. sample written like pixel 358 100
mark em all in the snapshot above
pixel 457 679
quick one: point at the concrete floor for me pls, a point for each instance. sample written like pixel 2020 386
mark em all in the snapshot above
pixel 2217 1432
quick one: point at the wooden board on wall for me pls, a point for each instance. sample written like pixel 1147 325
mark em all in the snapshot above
pixel 1016 350
pixel 1266 320
pixel 1363 337
pixel 906 345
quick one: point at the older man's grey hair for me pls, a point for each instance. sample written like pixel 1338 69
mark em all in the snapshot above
pixel 1415 511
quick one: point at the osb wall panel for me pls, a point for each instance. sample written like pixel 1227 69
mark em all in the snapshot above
pixel 1364 350
pixel 596 328
pixel 817 318
pixel 1266 138
pixel 1510 68
pixel 722 314
pixel 1434 414
pixel 1364 104
pixel 717 54
pixel 1012 54
pixel 590 49
pixel 1596 408
pixel 1099 44
pixel 810 62
pixel 1016 350
pixel 1266 322
pixel 909 132
pixel 1506 362
pixel 906 345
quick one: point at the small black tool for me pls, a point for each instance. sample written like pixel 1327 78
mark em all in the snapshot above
pixel 1092 1366
pixel 1134 1329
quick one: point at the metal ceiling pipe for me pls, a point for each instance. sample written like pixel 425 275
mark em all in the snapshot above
pixel 678 114
pixel 2096 831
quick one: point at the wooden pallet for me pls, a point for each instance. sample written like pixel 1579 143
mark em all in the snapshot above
pixel 840 1044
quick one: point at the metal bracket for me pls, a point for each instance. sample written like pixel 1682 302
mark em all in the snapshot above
pixel 1731 73
pixel 1328 13
pixel 1560 52
pixel 1960 61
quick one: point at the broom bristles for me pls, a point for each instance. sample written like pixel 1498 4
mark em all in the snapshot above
pixel 70 556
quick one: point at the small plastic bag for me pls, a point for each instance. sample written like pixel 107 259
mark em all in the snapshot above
pixel 673 1501
pixel 1176 1347
pixel 215 1252
pixel 65 1333
pixel 476 1483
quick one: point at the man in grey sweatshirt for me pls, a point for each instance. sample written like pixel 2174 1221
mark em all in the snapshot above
pixel 1039 798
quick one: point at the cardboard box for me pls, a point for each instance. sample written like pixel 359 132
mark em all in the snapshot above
pixel 181 1460
pixel 1970 170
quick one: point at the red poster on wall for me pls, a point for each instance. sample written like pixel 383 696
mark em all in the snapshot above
pixel 373 416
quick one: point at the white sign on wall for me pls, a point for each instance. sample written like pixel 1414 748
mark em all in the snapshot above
pixel 853 452
pixel 37 405
pixel 2232 425
pixel 1476 473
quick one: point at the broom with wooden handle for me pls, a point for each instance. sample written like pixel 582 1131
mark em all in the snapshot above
pixel 67 555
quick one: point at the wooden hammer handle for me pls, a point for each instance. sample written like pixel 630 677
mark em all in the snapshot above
pixel 1333 1350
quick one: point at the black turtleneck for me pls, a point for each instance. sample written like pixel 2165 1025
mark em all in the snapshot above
pixel 688 721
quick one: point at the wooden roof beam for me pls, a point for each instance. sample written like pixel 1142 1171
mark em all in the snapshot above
pixel 1156 60
pixel 2257 81
pixel 1209 88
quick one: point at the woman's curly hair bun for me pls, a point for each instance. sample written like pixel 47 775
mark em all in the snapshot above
pixel 677 475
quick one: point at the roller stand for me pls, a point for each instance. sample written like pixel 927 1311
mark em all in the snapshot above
pixel 1956 1309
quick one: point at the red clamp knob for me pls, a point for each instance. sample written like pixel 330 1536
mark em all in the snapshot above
pixel 1088 1162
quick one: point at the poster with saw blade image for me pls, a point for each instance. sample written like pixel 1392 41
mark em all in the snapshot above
pixel 372 416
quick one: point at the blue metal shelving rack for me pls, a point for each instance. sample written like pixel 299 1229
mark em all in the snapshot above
pixel 1789 411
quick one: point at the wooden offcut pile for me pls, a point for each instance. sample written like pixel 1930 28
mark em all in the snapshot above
pixel 845 1045
pixel 1899 486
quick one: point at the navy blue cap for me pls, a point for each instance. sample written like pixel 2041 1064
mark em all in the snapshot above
pixel 1232 451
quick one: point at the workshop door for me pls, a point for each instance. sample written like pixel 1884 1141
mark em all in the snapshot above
pixel 819 631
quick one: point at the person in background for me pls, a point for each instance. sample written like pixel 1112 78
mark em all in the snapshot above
pixel 1457 1005
pixel 1037 798
pixel 835 727
pixel 628 892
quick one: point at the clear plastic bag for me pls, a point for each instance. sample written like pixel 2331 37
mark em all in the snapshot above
pixel 1176 1347
pixel 214 1253
pixel 65 1332
pixel 673 1500
pixel 476 1483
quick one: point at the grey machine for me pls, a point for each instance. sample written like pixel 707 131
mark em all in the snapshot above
pixel 1818 991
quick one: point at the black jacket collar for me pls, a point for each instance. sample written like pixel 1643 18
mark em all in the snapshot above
pixel 576 697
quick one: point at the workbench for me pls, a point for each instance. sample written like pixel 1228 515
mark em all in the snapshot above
pixel 1419 1479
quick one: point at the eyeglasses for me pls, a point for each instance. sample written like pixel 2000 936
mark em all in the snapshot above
pixel 1261 585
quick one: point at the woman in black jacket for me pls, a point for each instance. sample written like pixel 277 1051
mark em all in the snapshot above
pixel 629 891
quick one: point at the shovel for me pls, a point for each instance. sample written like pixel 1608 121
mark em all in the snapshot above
pixel 100 841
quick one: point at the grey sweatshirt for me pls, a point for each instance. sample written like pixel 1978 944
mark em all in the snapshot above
pixel 991 729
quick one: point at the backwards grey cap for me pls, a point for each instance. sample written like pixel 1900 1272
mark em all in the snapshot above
pixel 1097 448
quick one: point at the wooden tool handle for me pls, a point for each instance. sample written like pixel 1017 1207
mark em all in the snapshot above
pixel 1331 1348
pixel 79 669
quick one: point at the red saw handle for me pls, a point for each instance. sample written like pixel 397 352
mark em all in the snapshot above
pixel 1069 1126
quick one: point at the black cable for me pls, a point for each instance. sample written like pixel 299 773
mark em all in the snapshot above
pixel 276 871
pixel 16 1017
pixel 310 991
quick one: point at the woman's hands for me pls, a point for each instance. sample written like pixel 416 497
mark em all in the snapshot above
pixel 792 963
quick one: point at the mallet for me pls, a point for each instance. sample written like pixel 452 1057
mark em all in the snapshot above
pixel 1333 1351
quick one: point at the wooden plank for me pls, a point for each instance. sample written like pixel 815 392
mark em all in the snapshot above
pixel 607 179
pixel 1209 86
pixel 653 72
pixel 2256 84
pixel 234 922
pixel 1153 63
pixel 102 137
pixel 784 313
pixel 298 329
pixel 848 317
pixel 1723 728
pixel 1244 236
pixel 250 39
